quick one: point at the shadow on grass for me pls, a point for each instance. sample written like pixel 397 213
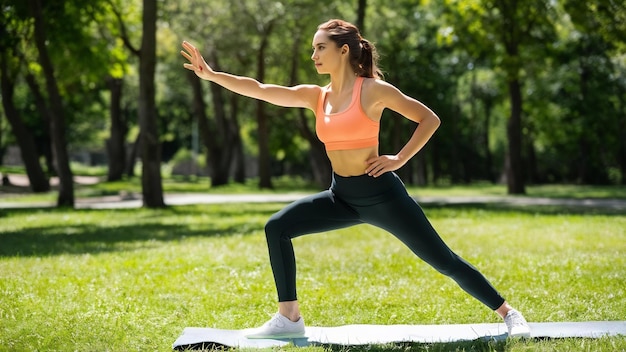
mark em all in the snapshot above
pixel 123 229
pixel 99 231
pixel 475 345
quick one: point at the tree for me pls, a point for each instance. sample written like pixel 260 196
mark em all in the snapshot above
pixel 25 139
pixel 57 125
pixel 10 64
pixel 418 64
pixel 149 143
pixel 263 19
pixel 115 145
pixel 214 111
pixel 320 164
pixel 606 20
pixel 594 88
pixel 514 26
pixel 70 100
pixel 478 94
pixel 360 17
pixel 116 61
pixel 219 138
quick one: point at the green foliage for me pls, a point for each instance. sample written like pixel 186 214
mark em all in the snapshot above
pixel 451 55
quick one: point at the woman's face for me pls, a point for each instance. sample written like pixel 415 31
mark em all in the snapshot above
pixel 326 55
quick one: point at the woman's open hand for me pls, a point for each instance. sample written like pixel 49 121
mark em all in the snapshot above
pixel 196 61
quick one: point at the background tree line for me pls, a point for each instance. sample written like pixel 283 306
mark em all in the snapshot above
pixel 528 92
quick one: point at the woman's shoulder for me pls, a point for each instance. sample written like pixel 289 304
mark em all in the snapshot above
pixel 376 83
pixel 310 89
pixel 310 93
pixel 375 87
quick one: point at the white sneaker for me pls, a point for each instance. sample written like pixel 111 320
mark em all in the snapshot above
pixel 279 327
pixel 517 325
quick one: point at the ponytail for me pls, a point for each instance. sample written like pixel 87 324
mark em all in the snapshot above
pixel 363 54
pixel 368 60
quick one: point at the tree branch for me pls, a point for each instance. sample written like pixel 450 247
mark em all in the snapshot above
pixel 123 31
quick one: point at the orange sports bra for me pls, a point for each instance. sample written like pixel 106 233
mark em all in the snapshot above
pixel 349 129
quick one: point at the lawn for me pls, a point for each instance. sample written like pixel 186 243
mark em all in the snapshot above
pixel 132 279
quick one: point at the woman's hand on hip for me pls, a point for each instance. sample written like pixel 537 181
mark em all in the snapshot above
pixel 384 163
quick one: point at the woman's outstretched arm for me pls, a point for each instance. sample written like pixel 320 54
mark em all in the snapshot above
pixel 301 96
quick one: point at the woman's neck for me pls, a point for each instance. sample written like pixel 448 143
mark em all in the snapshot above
pixel 342 81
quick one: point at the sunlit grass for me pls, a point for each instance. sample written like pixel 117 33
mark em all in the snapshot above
pixel 132 279
pixel 549 191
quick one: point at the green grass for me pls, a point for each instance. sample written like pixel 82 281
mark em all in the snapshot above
pixel 548 191
pixel 132 279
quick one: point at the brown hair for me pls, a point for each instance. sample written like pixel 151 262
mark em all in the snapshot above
pixel 363 54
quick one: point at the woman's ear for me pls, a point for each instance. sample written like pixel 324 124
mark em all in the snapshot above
pixel 345 49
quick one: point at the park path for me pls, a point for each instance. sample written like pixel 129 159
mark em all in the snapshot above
pixel 135 201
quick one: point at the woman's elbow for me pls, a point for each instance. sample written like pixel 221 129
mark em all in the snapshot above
pixel 434 120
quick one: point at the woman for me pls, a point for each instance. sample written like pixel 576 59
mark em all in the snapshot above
pixel 364 188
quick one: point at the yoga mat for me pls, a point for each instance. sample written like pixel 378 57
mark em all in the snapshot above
pixel 351 335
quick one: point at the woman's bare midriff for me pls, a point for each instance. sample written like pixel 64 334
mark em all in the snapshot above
pixel 351 162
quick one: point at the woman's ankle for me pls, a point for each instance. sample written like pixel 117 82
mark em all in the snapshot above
pixel 503 309
pixel 290 310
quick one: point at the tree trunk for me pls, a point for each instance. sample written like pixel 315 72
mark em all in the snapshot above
pixel 514 172
pixel 584 141
pixel 622 141
pixel 229 151
pixel 455 162
pixel 25 140
pixel 57 125
pixel 115 144
pixel 132 156
pixel 320 164
pixel 150 144
pixel 512 34
pixel 360 20
pixel 198 111
pixel 488 155
pixel 212 139
pixel 220 138
pixel 420 172
pixel 221 150
pixel 44 143
pixel 437 171
pixel 239 163
pixel 532 174
pixel 265 172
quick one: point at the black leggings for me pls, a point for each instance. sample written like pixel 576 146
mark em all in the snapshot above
pixel 382 202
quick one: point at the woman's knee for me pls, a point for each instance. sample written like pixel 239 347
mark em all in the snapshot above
pixel 452 266
pixel 274 227
pixel 460 270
